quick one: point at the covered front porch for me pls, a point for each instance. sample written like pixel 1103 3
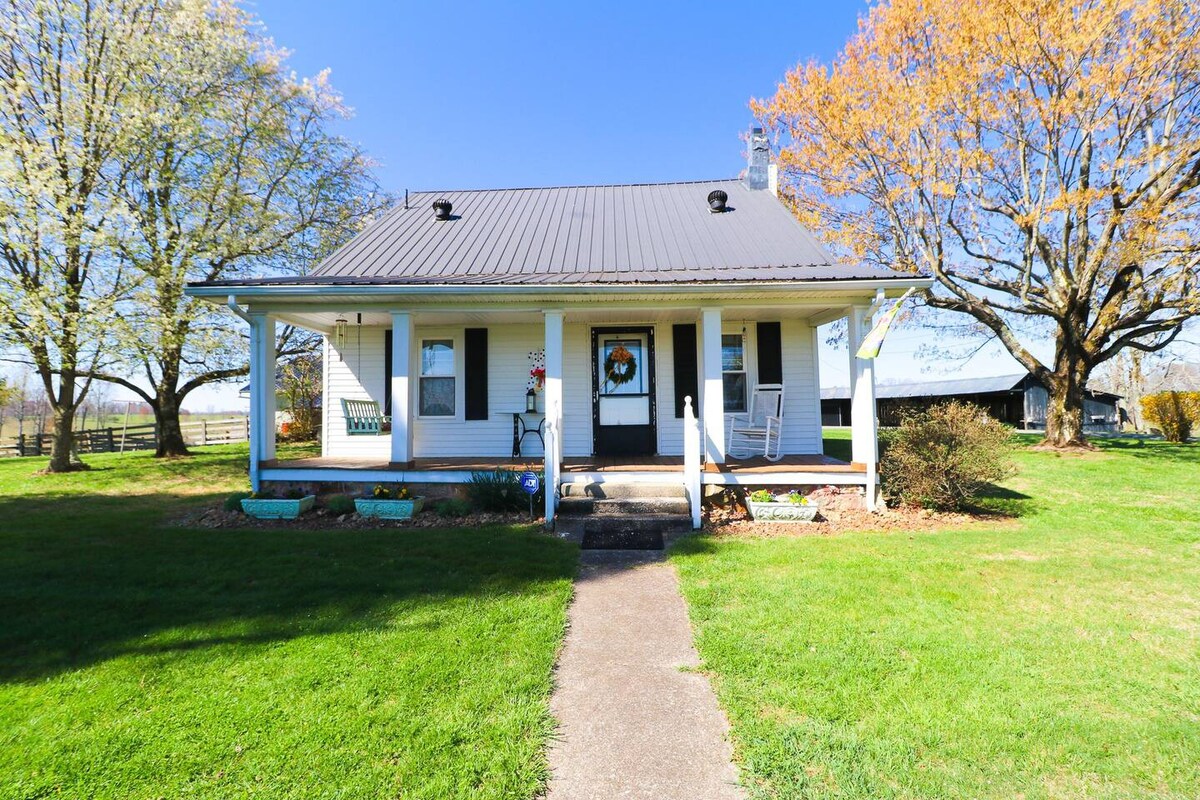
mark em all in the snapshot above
pixel 451 373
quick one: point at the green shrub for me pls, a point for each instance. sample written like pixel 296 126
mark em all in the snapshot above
pixel 762 496
pixel 234 501
pixel 500 490
pixel 453 507
pixel 943 457
pixel 1173 413
pixel 340 504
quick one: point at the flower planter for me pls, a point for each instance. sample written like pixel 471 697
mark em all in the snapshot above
pixel 272 508
pixel 782 512
pixel 388 509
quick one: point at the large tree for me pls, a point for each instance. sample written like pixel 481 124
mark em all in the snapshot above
pixel 1040 158
pixel 65 79
pixel 236 172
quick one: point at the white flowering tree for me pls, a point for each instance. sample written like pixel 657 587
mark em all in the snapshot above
pixel 236 172
pixel 145 145
pixel 66 77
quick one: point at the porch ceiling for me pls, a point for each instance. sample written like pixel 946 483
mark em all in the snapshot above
pixel 323 321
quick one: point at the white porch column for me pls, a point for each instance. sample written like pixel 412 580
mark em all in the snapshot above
pixel 863 423
pixel 262 394
pixel 402 344
pixel 554 412
pixel 713 412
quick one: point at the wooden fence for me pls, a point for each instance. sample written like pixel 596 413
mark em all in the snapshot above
pixel 119 439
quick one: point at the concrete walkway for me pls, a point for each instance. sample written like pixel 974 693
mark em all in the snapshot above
pixel 632 723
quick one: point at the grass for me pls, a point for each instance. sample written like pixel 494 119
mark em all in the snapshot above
pixel 1055 656
pixel 139 660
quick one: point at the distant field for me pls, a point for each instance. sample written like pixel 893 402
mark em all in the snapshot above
pixel 9 428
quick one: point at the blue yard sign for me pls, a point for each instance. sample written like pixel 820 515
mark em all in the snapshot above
pixel 530 482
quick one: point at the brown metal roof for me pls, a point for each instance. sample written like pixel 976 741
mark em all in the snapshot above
pixel 645 233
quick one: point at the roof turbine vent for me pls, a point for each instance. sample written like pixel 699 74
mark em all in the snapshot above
pixel 441 210
pixel 717 199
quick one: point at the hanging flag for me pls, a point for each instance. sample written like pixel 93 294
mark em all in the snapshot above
pixel 873 341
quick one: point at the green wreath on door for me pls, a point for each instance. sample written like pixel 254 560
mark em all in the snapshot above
pixel 620 366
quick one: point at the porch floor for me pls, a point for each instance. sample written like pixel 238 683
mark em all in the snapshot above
pixel 758 465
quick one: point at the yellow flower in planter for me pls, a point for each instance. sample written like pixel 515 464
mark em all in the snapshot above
pixel 382 492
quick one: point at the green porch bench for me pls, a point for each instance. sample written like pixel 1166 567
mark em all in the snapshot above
pixel 363 418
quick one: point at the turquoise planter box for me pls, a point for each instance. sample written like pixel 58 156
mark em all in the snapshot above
pixel 388 509
pixel 264 508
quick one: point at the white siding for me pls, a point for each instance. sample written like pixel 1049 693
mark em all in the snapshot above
pixel 508 380
pixel 356 373
pixel 359 372
pixel 670 429
pixel 577 390
pixel 802 390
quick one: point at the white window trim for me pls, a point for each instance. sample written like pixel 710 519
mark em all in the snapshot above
pixel 749 363
pixel 421 336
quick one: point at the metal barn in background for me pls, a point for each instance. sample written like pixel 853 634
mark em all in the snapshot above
pixel 1018 400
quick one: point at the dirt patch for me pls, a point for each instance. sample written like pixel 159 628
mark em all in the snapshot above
pixel 1076 449
pixel 841 511
pixel 322 519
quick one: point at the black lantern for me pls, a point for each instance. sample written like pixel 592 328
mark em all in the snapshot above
pixel 530 401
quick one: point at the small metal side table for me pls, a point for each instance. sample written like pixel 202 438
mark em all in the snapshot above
pixel 522 428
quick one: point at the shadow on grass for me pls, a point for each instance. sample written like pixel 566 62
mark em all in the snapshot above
pixel 1154 449
pixel 1001 501
pixel 85 578
pixel 837 448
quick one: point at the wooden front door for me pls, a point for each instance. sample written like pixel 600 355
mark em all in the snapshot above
pixel 623 412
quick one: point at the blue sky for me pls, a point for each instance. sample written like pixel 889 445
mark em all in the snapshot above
pixel 480 95
pixel 454 95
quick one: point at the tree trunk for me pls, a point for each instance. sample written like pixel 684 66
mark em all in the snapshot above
pixel 63 457
pixel 1064 407
pixel 170 431
pixel 62 445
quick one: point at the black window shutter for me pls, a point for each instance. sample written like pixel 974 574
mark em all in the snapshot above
pixel 687 382
pixel 387 372
pixel 475 382
pixel 770 353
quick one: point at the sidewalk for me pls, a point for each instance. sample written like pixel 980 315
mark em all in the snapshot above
pixel 632 722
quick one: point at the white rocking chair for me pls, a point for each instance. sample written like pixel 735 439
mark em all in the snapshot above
pixel 759 432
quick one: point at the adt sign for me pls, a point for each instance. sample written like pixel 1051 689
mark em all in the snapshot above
pixel 530 482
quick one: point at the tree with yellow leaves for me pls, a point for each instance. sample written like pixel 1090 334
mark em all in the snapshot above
pixel 1040 158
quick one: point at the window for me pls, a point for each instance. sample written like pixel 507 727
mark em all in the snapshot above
pixel 436 381
pixel 733 371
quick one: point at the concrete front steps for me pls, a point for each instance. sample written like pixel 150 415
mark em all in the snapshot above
pixel 623 516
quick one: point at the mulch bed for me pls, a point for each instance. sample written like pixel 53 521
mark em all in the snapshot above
pixel 322 519
pixel 841 511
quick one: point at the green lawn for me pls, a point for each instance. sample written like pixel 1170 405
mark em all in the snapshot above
pixel 142 661
pixel 1055 656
